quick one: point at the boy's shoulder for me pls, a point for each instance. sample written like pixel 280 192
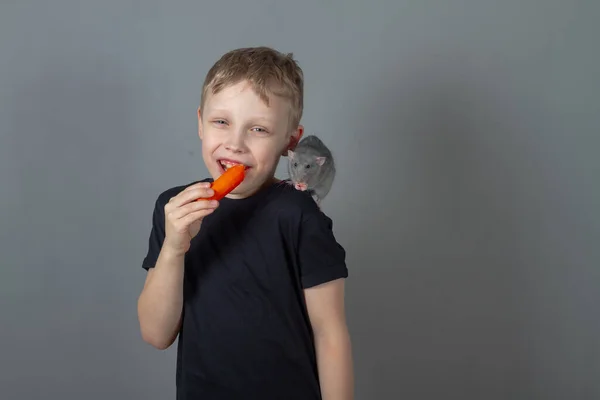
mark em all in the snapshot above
pixel 298 211
pixel 281 198
pixel 294 201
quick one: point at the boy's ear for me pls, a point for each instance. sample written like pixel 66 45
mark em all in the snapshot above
pixel 294 139
pixel 200 133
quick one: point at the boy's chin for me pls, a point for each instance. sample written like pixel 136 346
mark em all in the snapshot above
pixel 248 188
pixel 242 191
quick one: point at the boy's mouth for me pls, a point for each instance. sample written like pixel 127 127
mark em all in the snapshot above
pixel 226 164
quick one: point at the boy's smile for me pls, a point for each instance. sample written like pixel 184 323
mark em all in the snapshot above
pixel 237 127
pixel 225 164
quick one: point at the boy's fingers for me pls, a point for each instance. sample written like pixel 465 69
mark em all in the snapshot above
pixel 195 216
pixel 200 185
pixel 197 194
pixel 197 187
pixel 194 206
pixel 187 196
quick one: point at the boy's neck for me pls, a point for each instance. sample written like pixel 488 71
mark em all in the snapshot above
pixel 268 183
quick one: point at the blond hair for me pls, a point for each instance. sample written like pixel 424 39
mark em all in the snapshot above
pixel 268 71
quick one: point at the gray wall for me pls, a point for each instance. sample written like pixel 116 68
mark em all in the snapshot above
pixel 474 266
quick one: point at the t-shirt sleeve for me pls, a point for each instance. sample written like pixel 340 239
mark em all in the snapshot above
pixel 321 258
pixel 157 234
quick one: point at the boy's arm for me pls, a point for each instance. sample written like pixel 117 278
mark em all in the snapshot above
pixel 176 220
pixel 161 302
pixel 325 304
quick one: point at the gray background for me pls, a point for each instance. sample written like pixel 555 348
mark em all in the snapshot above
pixel 467 135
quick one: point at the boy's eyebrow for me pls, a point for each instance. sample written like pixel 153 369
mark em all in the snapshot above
pixel 257 117
pixel 215 110
pixel 263 119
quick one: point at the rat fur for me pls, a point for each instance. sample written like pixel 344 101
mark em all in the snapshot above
pixel 311 167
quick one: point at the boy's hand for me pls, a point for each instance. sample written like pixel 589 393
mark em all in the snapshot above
pixel 183 216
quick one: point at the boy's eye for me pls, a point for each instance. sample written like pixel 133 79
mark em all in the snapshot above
pixel 259 130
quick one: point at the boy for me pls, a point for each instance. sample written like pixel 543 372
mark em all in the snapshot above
pixel 253 285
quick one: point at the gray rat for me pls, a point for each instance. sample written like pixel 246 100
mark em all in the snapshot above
pixel 311 167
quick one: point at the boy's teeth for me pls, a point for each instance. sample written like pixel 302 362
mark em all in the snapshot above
pixel 226 165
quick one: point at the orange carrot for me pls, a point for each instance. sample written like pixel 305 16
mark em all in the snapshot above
pixel 228 181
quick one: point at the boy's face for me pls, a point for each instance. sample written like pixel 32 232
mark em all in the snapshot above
pixel 236 126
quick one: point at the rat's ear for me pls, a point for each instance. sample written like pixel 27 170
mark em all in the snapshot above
pixel 321 160
pixel 290 154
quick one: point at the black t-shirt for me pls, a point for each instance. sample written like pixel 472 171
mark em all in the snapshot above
pixel 246 333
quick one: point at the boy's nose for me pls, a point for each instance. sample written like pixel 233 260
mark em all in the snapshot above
pixel 235 143
pixel 233 147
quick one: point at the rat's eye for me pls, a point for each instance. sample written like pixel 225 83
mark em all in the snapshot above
pixel 295 164
pixel 307 166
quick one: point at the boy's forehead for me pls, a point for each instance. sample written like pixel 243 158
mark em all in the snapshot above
pixel 241 90
pixel 232 97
